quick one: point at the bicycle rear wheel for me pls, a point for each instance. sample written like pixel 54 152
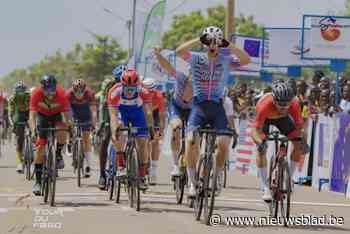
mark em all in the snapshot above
pixel 179 184
pixel 117 186
pixel 226 169
pixel 45 182
pixel 198 201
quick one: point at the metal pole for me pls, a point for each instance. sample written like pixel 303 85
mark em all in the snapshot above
pixel 133 29
pixel 128 24
pixel 337 89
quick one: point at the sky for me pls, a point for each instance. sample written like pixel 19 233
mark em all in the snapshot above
pixel 31 29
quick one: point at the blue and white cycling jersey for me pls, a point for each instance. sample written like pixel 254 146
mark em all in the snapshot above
pixel 209 76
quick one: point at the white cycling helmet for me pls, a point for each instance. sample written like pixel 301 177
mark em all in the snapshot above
pixel 214 33
pixel 149 83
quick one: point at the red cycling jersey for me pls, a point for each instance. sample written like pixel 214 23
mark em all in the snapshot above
pixel 89 97
pixel 266 109
pixel 39 103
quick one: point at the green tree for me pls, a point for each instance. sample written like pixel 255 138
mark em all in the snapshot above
pixel 99 59
pixel 186 27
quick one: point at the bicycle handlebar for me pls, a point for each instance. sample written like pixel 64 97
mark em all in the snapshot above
pixel 276 136
pixel 226 132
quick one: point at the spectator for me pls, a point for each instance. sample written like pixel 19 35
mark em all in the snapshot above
pixel 324 83
pixel 314 100
pixel 345 101
pixel 325 102
pixel 316 78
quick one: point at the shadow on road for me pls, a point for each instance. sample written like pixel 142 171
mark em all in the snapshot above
pixel 7 166
pixel 243 188
pixel 82 204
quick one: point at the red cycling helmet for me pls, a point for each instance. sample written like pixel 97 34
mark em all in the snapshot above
pixel 130 78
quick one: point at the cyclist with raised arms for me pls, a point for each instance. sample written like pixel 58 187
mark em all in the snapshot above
pixel 83 105
pixel 19 113
pixel 209 73
pixel 134 104
pixel 158 106
pixel 180 105
pixel 281 109
pixel 48 104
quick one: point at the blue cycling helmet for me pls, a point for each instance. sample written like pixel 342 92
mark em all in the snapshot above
pixel 49 82
pixel 118 71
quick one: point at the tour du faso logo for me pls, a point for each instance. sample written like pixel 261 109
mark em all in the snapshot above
pixel 330 29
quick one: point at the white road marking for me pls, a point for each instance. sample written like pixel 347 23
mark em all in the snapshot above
pixel 3 210
pixel 159 197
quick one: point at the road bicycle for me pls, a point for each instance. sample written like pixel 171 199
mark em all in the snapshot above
pixel 207 173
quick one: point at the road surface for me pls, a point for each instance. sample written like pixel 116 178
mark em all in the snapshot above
pixel 87 209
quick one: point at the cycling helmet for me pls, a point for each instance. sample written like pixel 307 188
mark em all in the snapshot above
pixel 213 32
pixel 118 71
pixel 149 83
pixel 49 82
pixel 79 86
pixel 282 92
pixel 130 78
pixel 20 87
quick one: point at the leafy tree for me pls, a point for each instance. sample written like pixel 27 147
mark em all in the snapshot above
pixel 186 27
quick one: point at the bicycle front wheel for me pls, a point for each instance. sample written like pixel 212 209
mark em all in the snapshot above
pixel 198 202
pixel 52 177
pixel 79 161
pixel 134 180
pixel 286 190
pixel 210 179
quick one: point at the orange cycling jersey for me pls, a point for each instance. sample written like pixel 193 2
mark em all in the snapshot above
pixel 266 109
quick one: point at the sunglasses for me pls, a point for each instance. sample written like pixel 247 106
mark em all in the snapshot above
pixel 283 104
pixel 49 92
pixel 130 89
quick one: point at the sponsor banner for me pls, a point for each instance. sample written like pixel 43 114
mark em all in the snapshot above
pixel 340 175
pixel 323 149
pixel 329 38
pixel 283 48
